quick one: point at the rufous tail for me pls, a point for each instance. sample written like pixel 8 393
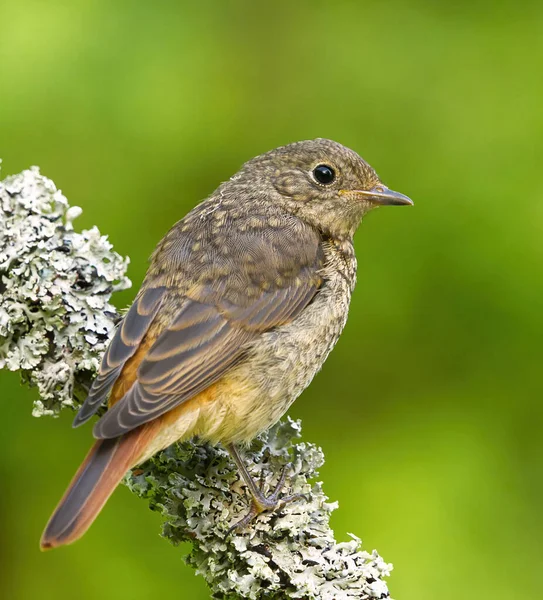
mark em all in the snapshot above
pixel 96 479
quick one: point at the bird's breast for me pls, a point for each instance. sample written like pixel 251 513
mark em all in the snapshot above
pixel 256 393
pixel 283 361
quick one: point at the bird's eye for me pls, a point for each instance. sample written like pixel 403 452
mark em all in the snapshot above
pixel 324 174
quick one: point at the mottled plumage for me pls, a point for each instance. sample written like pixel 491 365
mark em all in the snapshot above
pixel 243 301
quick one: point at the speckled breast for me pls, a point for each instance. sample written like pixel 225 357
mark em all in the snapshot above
pixel 284 361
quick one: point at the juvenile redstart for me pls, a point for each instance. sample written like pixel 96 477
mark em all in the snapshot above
pixel 243 301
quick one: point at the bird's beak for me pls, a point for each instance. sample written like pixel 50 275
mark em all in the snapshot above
pixel 382 196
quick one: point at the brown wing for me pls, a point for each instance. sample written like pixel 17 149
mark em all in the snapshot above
pixel 123 345
pixel 223 292
pixel 199 346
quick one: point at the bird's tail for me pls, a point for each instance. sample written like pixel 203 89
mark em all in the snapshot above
pixel 96 479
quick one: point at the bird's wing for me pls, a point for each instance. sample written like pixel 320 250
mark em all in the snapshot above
pixel 215 320
pixel 124 344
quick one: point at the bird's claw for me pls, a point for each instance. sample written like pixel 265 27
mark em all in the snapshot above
pixel 261 503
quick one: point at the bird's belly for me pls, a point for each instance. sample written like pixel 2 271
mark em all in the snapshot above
pixel 230 410
pixel 279 366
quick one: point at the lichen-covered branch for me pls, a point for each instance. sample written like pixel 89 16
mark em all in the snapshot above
pixel 55 286
pixel 55 321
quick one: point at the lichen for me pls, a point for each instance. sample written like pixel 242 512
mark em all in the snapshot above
pixel 290 553
pixel 55 286
pixel 55 322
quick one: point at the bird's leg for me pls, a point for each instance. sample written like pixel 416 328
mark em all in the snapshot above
pixel 260 502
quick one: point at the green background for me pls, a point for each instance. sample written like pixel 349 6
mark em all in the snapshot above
pixel 429 410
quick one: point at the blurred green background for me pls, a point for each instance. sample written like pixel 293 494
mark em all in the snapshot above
pixel 429 410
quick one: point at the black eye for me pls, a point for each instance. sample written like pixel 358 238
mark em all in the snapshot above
pixel 324 174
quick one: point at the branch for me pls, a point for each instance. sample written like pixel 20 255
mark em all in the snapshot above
pixel 55 322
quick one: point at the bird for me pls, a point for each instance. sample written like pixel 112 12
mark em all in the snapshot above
pixel 243 300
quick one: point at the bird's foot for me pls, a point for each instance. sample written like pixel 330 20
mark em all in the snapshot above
pixel 261 503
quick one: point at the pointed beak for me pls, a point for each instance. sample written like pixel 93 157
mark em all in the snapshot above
pixel 382 196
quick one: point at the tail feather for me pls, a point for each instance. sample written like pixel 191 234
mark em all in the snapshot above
pixel 96 479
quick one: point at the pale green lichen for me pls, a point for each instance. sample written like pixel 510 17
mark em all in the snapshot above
pixel 55 322
pixel 55 285
pixel 290 553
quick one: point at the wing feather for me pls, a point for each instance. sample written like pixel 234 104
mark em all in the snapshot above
pixel 164 384
pixel 220 313
pixel 124 344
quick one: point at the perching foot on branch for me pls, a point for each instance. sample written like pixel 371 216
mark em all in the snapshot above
pixel 259 501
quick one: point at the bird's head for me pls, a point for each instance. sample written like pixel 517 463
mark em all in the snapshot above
pixel 322 182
